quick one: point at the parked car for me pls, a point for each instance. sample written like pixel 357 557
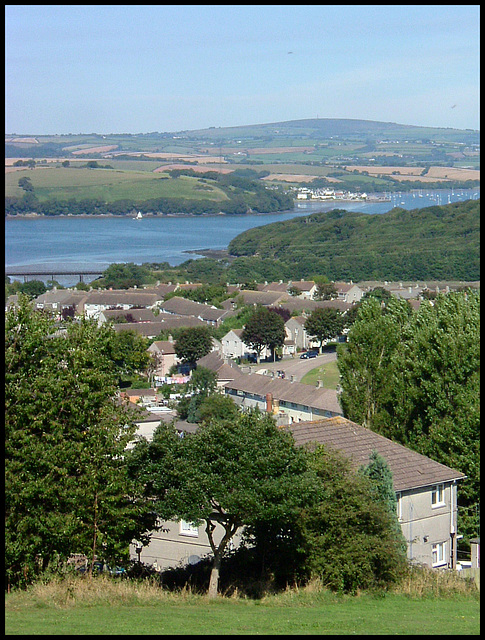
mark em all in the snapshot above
pixel 309 354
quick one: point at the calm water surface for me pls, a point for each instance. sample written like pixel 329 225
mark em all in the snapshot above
pixel 97 242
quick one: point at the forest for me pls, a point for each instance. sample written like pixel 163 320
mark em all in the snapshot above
pixel 438 242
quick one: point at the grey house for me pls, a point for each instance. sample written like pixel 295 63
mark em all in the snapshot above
pixel 426 490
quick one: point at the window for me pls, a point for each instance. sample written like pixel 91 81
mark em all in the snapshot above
pixel 399 505
pixel 438 554
pixel 188 529
pixel 438 495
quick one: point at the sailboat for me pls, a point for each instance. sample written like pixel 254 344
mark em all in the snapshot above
pixel 138 216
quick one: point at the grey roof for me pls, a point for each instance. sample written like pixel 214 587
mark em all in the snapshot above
pixel 138 315
pixel 137 297
pixel 164 322
pixel 225 369
pixel 298 304
pixel 62 296
pixel 410 470
pixel 287 391
pixel 266 298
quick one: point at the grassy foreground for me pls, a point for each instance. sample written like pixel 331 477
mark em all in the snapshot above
pixel 89 607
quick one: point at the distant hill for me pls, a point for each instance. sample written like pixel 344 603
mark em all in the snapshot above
pixel 325 128
pixel 438 242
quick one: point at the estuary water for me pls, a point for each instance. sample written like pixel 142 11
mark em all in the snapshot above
pixel 94 243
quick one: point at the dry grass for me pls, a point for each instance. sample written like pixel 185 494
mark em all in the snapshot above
pixel 84 591
pixel 422 582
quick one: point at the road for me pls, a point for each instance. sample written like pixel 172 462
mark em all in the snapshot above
pixel 294 366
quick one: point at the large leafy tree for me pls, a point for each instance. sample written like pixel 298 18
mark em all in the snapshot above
pixel 227 473
pixel 265 328
pixel 346 536
pixel 415 378
pixel 192 344
pixel 66 485
pixel 365 362
pixel 324 324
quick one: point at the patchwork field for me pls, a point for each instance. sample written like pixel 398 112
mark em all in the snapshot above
pixel 414 173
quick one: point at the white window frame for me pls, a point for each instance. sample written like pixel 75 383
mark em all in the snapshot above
pixel 399 505
pixel 188 529
pixel 438 495
pixel 438 554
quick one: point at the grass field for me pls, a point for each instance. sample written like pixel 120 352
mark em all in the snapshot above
pixel 328 373
pixel 109 185
pixel 105 608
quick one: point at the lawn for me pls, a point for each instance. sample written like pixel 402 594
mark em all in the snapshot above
pixel 328 373
pixel 318 614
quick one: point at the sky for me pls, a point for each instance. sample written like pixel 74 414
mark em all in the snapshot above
pixel 169 68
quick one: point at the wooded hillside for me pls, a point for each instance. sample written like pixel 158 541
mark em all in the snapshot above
pixel 438 242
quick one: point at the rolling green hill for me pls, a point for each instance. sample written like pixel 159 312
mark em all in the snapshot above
pixel 439 242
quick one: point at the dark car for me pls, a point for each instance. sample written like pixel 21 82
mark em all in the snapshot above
pixel 309 354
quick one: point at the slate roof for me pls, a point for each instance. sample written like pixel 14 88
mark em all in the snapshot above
pixel 214 362
pixel 163 323
pixel 410 470
pixel 287 391
pixel 298 304
pixel 136 297
pixel 138 315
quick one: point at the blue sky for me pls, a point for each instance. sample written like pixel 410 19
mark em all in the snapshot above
pixel 143 68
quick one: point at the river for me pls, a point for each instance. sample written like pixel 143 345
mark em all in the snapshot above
pixel 95 242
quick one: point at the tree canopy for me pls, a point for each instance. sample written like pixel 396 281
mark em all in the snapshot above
pixel 265 328
pixel 324 324
pixel 226 473
pixel 415 378
pixel 65 481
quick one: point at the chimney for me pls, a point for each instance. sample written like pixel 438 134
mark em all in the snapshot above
pixel 269 402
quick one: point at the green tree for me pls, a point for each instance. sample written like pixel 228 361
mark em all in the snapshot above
pixel 415 378
pixel 229 474
pixel 344 536
pixel 26 184
pixel 265 328
pixel 192 344
pixel 380 475
pixel 325 291
pixel 324 324
pixel 365 362
pixel 202 385
pixel 66 486
pixel 33 288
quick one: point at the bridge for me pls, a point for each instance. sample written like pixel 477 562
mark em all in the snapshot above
pixel 51 272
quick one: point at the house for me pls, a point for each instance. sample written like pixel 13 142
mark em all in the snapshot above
pixel 264 298
pixel 164 357
pixel 307 289
pixel 286 400
pixel 426 490
pixel 97 301
pixel 299 305
pixel 163 322
pixel 350 293
pixel 58 300
pixel 295 330
pixel 234 347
